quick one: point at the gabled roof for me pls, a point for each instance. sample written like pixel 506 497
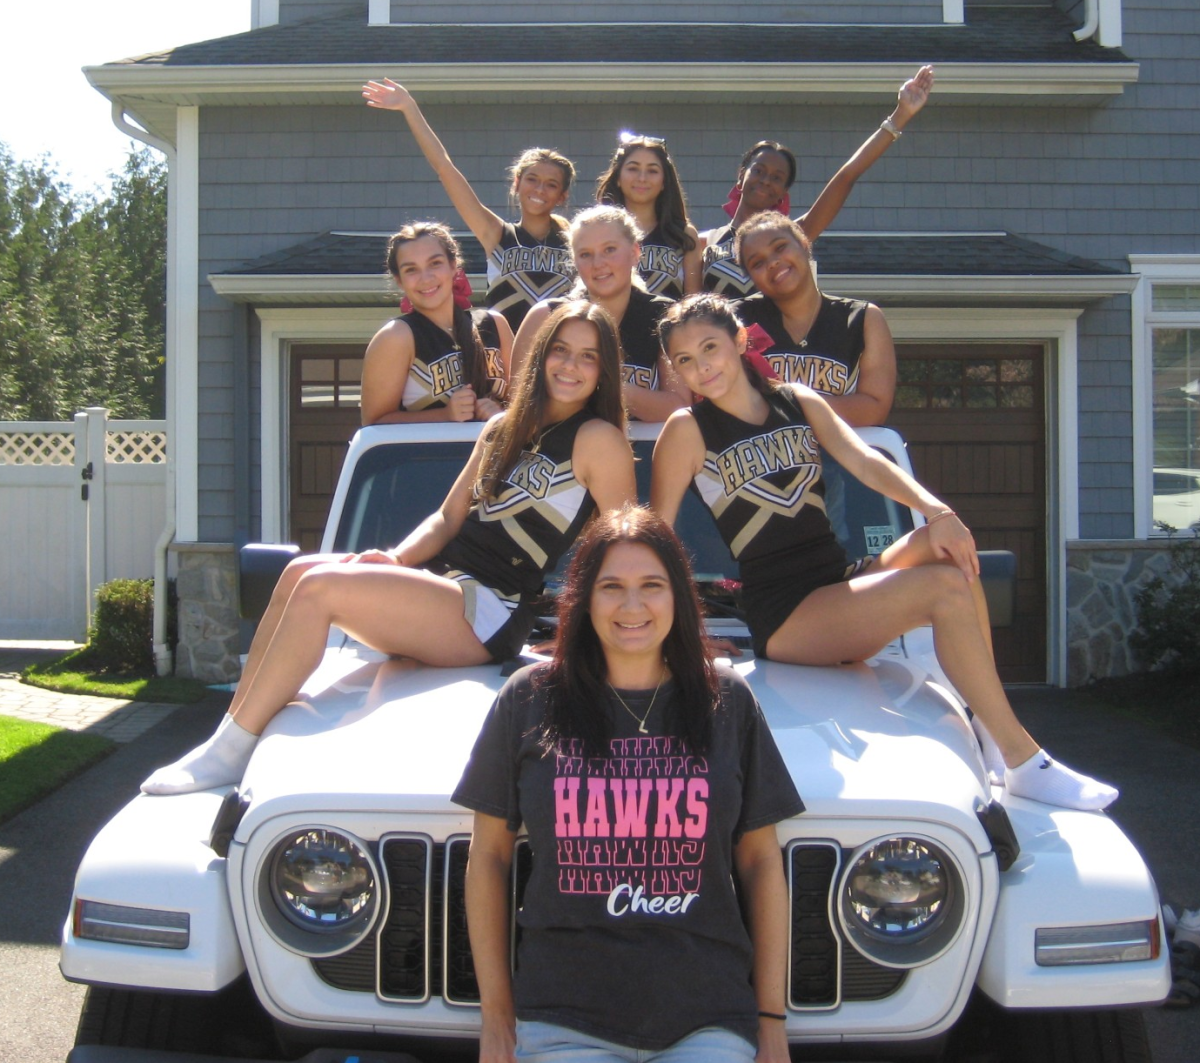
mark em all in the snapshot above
pixel 347 267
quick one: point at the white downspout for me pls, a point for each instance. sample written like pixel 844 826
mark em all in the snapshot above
pixel 1091 21
pixel 163 658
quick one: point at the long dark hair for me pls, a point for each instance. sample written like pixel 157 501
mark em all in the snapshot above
pixel 523 418
pixel 671 206
pixel 768 145
pixel 718 311
pixel 466 335
pixel 577 679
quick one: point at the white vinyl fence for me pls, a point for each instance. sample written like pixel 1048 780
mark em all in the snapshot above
pixel 81 503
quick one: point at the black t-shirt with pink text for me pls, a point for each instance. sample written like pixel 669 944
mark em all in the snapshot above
pixel 631 930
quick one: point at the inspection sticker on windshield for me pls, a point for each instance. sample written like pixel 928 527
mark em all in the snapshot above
pixel 879 537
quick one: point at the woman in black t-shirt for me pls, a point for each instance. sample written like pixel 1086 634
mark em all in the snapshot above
pixel 752 449
pixel 471 570
pixel 645 777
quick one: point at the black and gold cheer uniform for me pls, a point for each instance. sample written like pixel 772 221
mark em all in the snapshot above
pixel 661 265
pixel 523 270
pixel 722 274
pixel 437 366
pixel 762 484
pixel 827 358
pixel 508 543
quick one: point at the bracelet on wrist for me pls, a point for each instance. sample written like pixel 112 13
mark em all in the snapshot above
pixel 938 516
pixel 889 127
pixel 772 1015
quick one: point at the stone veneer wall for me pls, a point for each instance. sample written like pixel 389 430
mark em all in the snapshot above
pixel 1102 578
pixel 207 588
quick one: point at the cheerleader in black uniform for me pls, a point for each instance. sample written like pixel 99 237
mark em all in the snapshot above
pixel 752 454
pixel 526 262
pixel 768 170
pixel 606 248
pixel 439 361
pixel 642 178
pixel 839 347
pixel 459 589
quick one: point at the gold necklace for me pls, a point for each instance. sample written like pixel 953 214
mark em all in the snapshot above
pixel 536 448
pixel 641 721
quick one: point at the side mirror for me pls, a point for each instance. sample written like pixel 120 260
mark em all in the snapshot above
pixel 998 572
pixel 259 567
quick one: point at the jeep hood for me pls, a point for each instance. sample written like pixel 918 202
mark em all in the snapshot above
pixel 883 739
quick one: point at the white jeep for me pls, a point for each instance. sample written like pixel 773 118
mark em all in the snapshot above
pixel 317 911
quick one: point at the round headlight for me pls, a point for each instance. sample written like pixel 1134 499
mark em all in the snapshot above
pixel 324 883
pixel 901 902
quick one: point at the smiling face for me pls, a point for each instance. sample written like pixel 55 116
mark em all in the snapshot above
pixel 572 367
pixel 778 263
pixel 540 189
pixel 632 604
pixel 707 358
pixel 765 180
pixel 641 177
pixel 424 270
pixel 605 258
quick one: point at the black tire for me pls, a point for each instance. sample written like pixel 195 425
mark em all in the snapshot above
pixel 989 1034
pixel 227 1023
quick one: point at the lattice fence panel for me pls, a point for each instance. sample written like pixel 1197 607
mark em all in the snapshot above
pixel 37 448
pixel 136 448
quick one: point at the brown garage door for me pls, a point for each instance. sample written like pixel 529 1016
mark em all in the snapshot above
pixel 975 419
pixel 325 389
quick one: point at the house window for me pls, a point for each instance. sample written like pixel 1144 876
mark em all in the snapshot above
pixel 1170 372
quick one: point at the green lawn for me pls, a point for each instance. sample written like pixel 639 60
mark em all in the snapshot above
pixel 74 674
pixel 36 758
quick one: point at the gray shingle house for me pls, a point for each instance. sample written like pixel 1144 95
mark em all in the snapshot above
pixel 1034 239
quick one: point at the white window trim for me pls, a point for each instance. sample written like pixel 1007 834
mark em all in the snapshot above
pixel 952 12
pixel 280 329
pixel 1060 328
pixel 1151 269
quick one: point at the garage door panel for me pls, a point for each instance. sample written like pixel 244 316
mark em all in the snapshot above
pixel 974 416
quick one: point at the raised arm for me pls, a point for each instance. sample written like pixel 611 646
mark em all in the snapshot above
pixel 678 456
pixel 910 99
pixel 871 400
pixel 487 226
pixel 488 887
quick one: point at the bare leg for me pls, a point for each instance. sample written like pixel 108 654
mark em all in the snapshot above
pixel 375 603
pixel 853 620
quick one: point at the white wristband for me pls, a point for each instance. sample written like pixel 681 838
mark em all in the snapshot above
pixel 889 127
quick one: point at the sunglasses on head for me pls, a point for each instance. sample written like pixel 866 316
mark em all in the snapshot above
pixel 627 137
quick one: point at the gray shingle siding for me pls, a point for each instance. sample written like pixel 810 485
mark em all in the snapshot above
pixel 1102 180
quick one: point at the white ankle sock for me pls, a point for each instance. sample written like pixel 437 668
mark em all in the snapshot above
pixel 993 759
pixel 1042 778
pixel 219 761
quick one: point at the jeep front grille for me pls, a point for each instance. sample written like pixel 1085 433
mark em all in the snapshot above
pixel 421 949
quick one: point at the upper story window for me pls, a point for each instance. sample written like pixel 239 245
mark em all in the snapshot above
pixel 1167 376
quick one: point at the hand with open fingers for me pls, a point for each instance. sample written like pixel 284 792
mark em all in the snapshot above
pixel 461 405
pixel 716 646
pixel 914 93
pixel 951 540
pixel 387 95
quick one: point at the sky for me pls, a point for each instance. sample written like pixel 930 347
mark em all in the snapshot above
pixel 49 108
